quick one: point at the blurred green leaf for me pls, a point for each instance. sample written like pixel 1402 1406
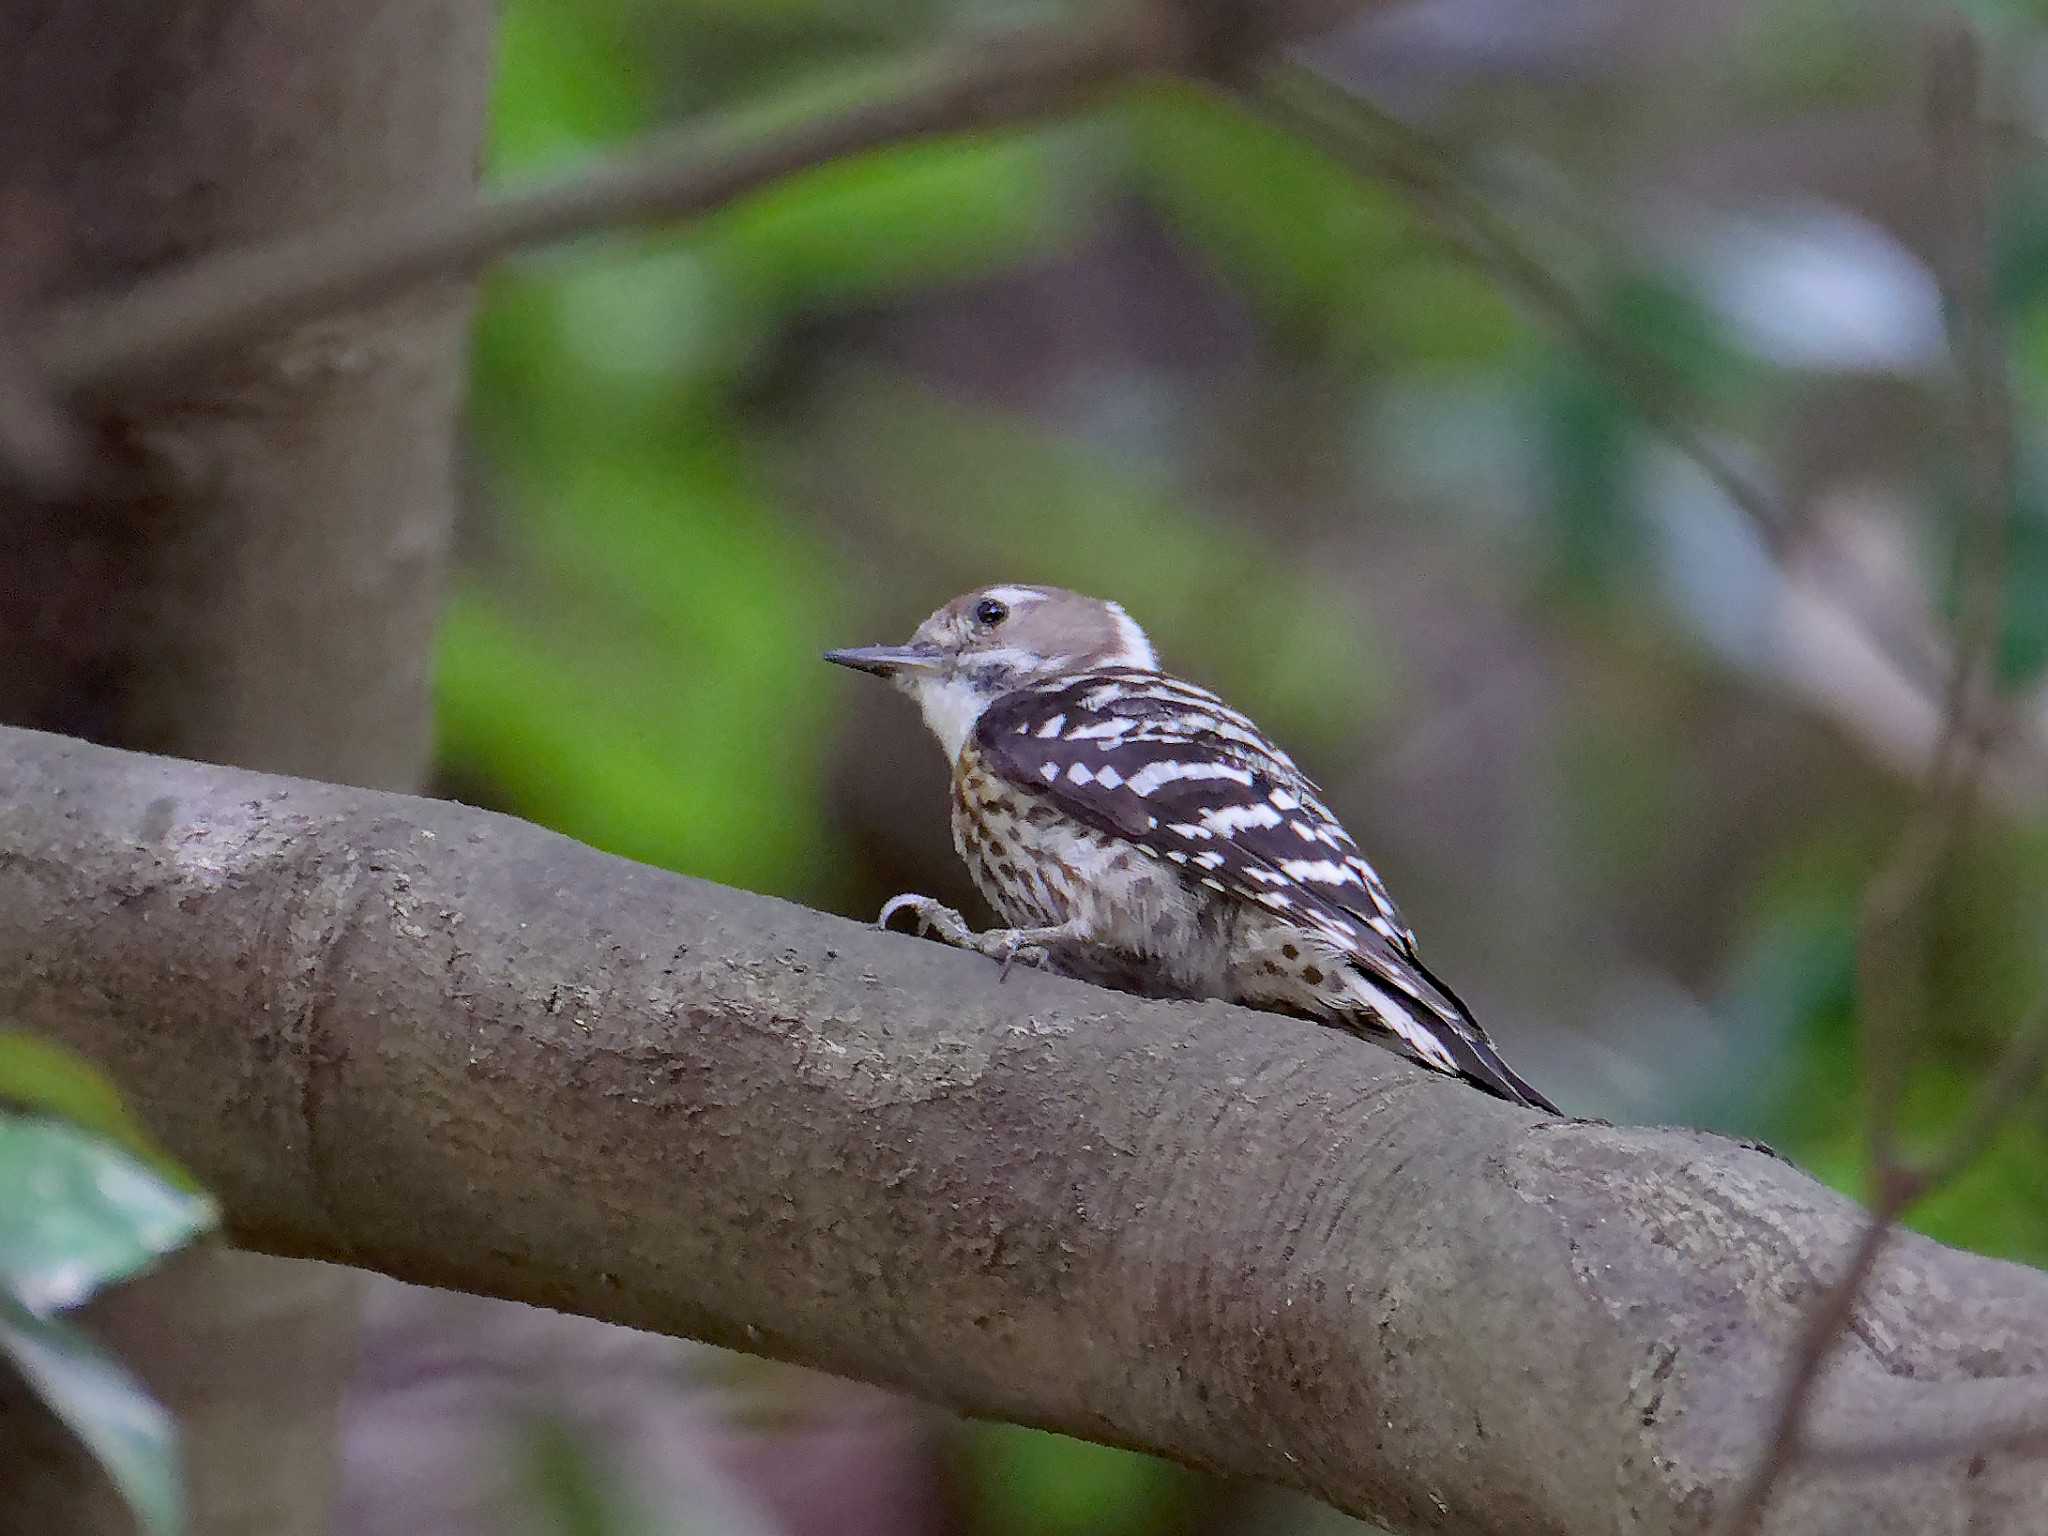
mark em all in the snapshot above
pixel 1011 502
pixel 106 1407
pixel 1802 55
pixel 80 1213
pixel 1792 1000
pixel 1032 1483
pixel 1337 263
pixel 1296 231
pixel 1588 438
pixel 1442 313
pixel 1593 430
pixel 647 655
pixel 42 1075
pixel 575 1492
pixel 882 223
pixel 1995 1206
pixel 1796 988
pixel 569 79
pixel 2023 641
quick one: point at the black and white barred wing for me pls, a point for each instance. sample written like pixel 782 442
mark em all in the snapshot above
pixel 1171 768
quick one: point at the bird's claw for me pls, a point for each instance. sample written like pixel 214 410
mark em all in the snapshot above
pixel 930 917
pixel 1016 950
pixel 1006 947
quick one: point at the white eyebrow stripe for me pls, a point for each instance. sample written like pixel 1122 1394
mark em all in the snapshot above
pixel 1134 649
pixel 1016 597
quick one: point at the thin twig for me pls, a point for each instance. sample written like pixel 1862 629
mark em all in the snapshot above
pixel 201 312
pixel 41 448
pixel 1894 940
pixel 1817 1339
pixel 2025 1436
pixel 2012 1080
pixel 1963 159
pixel 1359 135
pixel 2015 1076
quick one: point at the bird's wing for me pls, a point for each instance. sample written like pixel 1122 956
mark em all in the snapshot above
pixel 1170 767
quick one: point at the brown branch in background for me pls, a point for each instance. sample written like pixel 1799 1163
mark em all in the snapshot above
pixel 1361 136
pixel 1894 943
pixel 1963 176
pixel 2027 1436
pixel 41 447
pixel 199 313
pixel 1378 145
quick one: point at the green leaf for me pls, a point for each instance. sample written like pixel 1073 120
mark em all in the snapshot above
pixel 1049 1485
pixel 107 1408
pixel 568 78
pixel 573 1487
pixel 1303 238
pixel 81 1214
pixel 862 230
pixel 42 1075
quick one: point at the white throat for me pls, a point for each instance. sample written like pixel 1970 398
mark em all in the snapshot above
pixel 951 705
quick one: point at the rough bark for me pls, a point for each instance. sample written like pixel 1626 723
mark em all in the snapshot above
pixel 251 572
pixel 465 1051
pixel 279 536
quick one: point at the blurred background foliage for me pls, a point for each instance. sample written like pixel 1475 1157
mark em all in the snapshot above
pixel 1629 773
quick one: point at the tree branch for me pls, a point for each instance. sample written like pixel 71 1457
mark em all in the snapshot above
pixel 1358 135
pixel 201 313
pixel 1893 947
pixel 453 1047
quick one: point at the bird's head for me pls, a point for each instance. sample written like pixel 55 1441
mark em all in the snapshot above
pixel 994 640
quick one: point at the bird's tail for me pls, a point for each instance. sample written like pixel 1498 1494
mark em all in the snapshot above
pixel 1435 1025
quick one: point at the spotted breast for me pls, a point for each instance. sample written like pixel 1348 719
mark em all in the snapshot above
pixel 1042 867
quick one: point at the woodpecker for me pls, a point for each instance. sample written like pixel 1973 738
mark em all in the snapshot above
pixel 1107 808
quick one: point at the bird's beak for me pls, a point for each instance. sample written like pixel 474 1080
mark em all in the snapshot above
pixel 887 660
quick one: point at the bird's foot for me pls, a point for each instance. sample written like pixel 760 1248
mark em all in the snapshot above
pixel 930 918
pixel 1006 946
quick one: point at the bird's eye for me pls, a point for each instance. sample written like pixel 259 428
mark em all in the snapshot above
pixel 990 612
